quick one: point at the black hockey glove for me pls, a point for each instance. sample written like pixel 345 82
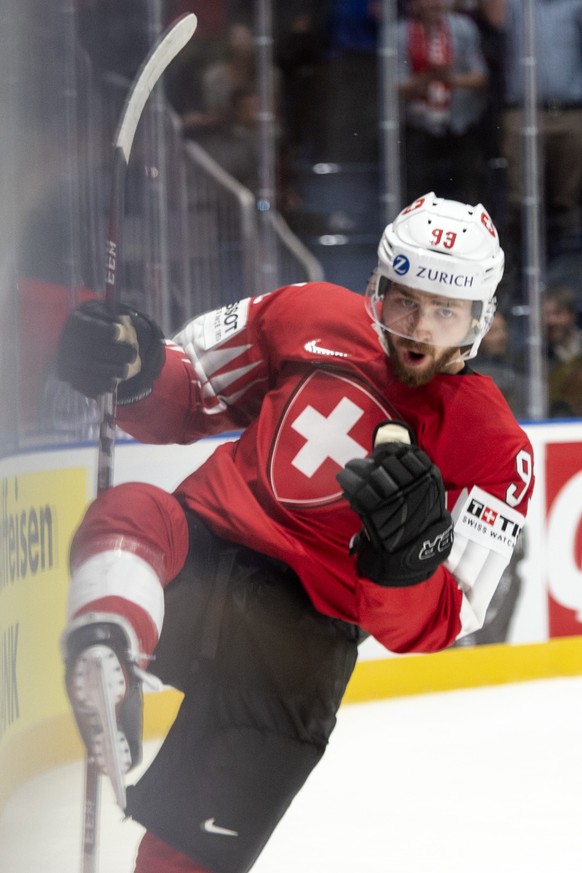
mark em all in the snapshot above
pixel 399 495
pixel 98 350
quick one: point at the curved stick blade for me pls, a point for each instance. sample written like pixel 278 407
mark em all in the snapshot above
pixel 162 54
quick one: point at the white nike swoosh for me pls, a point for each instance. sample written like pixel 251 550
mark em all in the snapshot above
pixel 212 828
pixel 312 347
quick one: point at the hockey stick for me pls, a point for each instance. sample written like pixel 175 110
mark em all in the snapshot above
pixel 163 52
pixel 161 55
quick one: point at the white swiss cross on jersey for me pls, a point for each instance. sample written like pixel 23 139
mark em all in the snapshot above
pixel 330 420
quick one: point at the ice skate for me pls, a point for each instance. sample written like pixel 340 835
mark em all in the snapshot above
pixel 106 696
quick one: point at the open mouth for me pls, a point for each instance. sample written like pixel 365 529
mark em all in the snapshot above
pixel 413 358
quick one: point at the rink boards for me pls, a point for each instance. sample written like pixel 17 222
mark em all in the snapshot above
pixel 43 497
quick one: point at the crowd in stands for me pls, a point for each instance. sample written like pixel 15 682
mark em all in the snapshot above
pixel 461 83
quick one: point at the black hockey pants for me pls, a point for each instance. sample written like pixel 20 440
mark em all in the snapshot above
pixel 263 675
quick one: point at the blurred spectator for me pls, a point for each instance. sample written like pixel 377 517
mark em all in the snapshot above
pixel 233 139
pixel 565 389
pixel 494 360
pixel 564 352
pixel 229 126
pixel 236 69
pixel 558 38
pixel 493 48
pixel 563 335
pixel 233 142
pixel 443 80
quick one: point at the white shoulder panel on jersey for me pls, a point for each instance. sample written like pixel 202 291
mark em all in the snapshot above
pixel 486 531
pixel 213 328
pixel 206 344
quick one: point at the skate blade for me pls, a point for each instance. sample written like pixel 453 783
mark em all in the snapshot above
pixel 103 687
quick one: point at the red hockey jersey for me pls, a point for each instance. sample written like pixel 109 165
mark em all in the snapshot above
pixel 302 373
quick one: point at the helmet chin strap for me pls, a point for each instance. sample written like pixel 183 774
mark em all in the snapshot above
pixel 463 356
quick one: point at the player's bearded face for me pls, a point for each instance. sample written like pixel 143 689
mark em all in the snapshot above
pixel 417 363
pixel 424 333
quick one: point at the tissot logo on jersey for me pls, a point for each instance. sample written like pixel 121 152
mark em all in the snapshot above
pixel 487 520
pixel 503 525
pixel 223 323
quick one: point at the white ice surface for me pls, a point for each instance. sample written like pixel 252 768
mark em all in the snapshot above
pixel 480 781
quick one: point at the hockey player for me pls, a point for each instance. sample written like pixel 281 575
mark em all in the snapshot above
pixel 377 488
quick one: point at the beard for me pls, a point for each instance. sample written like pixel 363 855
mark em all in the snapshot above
pixel 436 361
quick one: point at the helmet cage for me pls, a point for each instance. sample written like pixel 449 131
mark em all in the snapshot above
pixel 482 312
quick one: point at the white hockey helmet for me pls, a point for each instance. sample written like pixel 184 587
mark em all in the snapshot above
pixel 445 248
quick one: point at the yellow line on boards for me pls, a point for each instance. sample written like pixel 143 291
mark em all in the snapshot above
pixel 464 668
